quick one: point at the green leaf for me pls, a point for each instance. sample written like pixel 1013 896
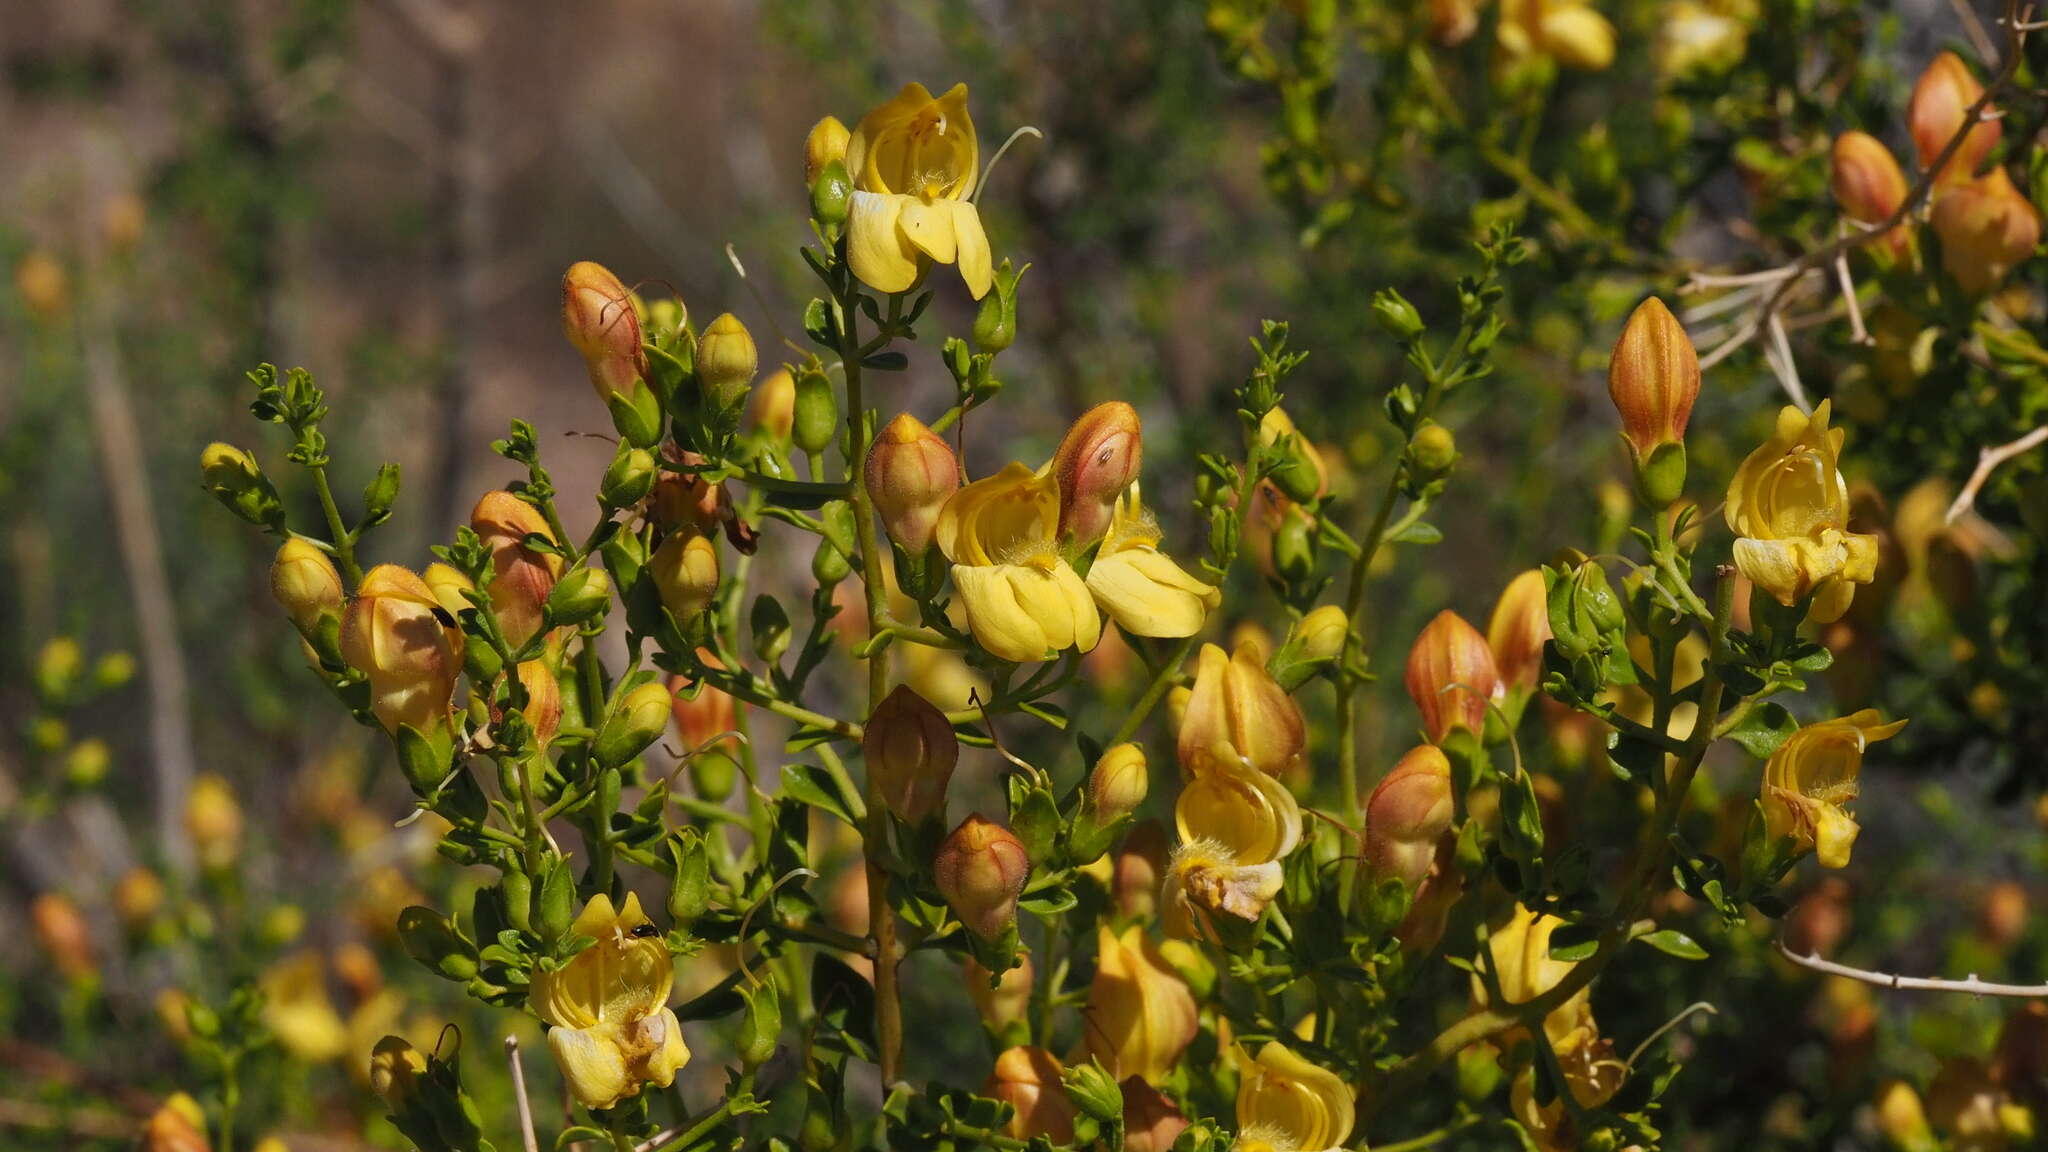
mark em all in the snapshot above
pixel 810 784
pixel 1574 942
pixel 1672 942
pixel 887 362
pixel 1417 532
pixel 1763 728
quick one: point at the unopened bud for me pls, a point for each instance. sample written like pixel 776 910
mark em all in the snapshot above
pixel 1300 472
pixel 1518 630
pixel 1868 183
pixel 1940 103
pixel 1407 814
pixel 1987 227
pixel 817 413
pixel 995 322
pixel 685 571
pixel 1137 869
pixel 1028 1080
pixel 639 721
pixel 395 1071
pixel 177 1126
pixel 61 933
pixel 600 321
pixel 1451 677
pixel 58 666
pixel 45 288
pixel 87 762
pixel 1118 783
pixel 234 478
pixel 980 869
pixel 1151 1122
pixel 760 1024
pixel 1097 460
pixel 1321 635
pixel 1432 450
pixel 521 577
pixel 726 362
pixel 138 897
pixel 213 820
pixel 1902 1119
pixel 1395 314
pixel 1653 378
pixel 581 596
pixel 825 145
pixel 543 709
pixel 628 479
pixel 832 195
pixel 910 472
pixel 910 750
pixel 772 410
pixel 306 585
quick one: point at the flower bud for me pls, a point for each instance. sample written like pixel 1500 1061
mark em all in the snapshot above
pixel 1940 102
pixel 581 596
pixel 543 709
pixel 234 478
pixel 685 571
pixel 138 897
pixel 1137 870
pixel 44 287
pixel 58 666
pixel 980 869
pixel 816 417
pixel 61 933
pixel 1653 378
pixel 995 321
pixel 599 319
pixel 213 819
pixel 726 362
pixel 639 720
pixel 1868 184
pixel 521 577
pixel 2002 915
pixel 390 634
pixel 1151 1122
pixel 1322 634
pixel 772 409
pixel 1300 474
pixel 1119 782
pixel 826 144
pixel 87 762
pixel 1987 227
pixel 1004 1002
pixel 910 750
pixel 832 195
pixel 628 478
pixel 1140 1015
pixel 1028 1080
pixel 178 1126
pixel 1393 311
pixel 1518 630
pixel 304 582
pixel 1451 677
pixel 1407 814
pixel 1096 461
pixel 910 473
pixel 1432 450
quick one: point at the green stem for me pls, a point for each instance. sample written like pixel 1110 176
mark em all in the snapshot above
pixel 1162 680
pixel 741 689
pixel 344 540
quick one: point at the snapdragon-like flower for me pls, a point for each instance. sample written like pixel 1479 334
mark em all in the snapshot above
pixel 1140 587
pixel 1236 825
pixel 1239 716
pixel 1812 776
pixel 392 635
pixel 914 163
pixel 1286 1104
pixel 611 1028
pixel 1140 1015
pixel 1024 601
pixel 1789 507
pixel 1520 952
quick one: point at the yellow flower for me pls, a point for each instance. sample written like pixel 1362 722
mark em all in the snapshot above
pixel 1789 506
pixel 297 1011
pixel 391 635
pixel 1023 600
pixel 914 162
pixel 611 1027
pixel 1287 1104
pixel 1235 825
pixel 1239 717
pixel 1140 587
pixel 1812 775
pixel 1140 1014
pixel 1568 31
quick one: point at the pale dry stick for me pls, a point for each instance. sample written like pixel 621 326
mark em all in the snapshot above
pixel 1973 27
pixel 1971 985
pixel 1857 332
pixel 1989 459
pixel 126 462
pixel 526 1136
pixel 1781 364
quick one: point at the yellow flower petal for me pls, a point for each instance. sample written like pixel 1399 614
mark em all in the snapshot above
pixel 592 1064
pixel 977 265
pixel 876 248
pixel 1148 594
pixel 928 226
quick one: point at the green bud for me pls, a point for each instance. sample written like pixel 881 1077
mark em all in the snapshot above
pixel 636 414
pixel 1396 315
pixel 1094 1091
pixel 581 596
pixel 113 670
pixel 760 1026
pixel 625 554
pixel 87 763
pixel 236 480
pixel 554 901
pixel 689 893
pixel 829 565
pixel 1660 476
pixel 769 625
pixel 995 324
pixel 1433 450
pixel 203 1021
pixel 1597 597
pixel 629 478
pixel 832 194
pixel 517 888
pixel 638 722
pixel 816 422
pixel 713 774
pixel 429 938
pixel 1294 549
pixel 380 494
pixel 57 669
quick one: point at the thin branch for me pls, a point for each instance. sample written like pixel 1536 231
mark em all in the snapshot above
pixel 1987 460
pixel 1972 985
pixel 526 1136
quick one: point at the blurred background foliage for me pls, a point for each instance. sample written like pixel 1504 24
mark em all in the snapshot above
pixel 386 193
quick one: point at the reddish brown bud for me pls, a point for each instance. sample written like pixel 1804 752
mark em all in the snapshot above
pixel 1451 677
pixel 1868 182
pixel 61 932
pixel 1653 377
pixel 521 577
pixel 910 751
pixel 1987 227
pixel 980 870
pixel 1518 630
pixel 910 473
pixel 1096 461
pixel 1940 103
pixel 1407 814
pixel 599 320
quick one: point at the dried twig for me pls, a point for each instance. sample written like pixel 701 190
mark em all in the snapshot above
pixel 1987 460
pixel 1972 985
pixel 526 1136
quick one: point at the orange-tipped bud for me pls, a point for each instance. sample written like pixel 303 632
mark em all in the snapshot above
pixel 521 577
pixel 1028 1080
pixel 1518 630
pixel 772 408
pixel 1151 1122
pixel 980 869
pixel 543 709
pixel 910 751
pixel 1987 227
pixel 1119 782
pixel 306 585
pixel 685 571
pixel 1008 1001
pixel 1407 814
pixel 1941 100
pixel 61 933
pixel 599 319
pixel 138 897
pixel 825 145
pixel 1451 677
pixel 1653 378
pixel 1868 183
pixel 1096 461
pixel 390 634
pixel 213 819
pixel 177 1126
pixel 1239 715
pixel 910 472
